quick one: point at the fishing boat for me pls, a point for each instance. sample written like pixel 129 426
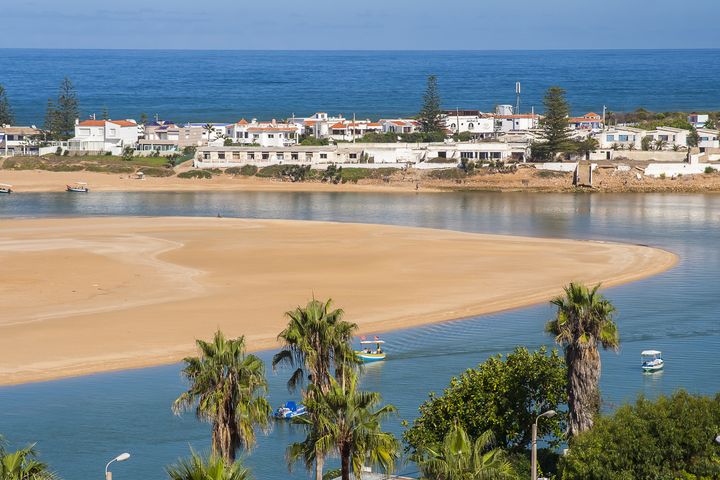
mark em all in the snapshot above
pixel 5 188
pixel 289 410
pixel 367 354
pixel 80 187
pixel 652 360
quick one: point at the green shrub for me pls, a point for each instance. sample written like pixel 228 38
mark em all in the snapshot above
pixel 355 174
pixel 195 174
pixel 272 171
pixel 157 172
pixel 550 174
pixel 110 168
pixel 448 174
pixel 709 169
pixel 245 170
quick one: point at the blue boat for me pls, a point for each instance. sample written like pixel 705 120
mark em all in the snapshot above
pixel 289 410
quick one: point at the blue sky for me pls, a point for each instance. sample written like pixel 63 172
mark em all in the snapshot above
pixel 365 24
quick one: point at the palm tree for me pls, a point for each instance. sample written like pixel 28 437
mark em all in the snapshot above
pixel 348 423
pixel 584 319
pixel 212 467
pixel 316 340
pixel 228 388
pixel 210 129
pixel 23 465
pixel 457 457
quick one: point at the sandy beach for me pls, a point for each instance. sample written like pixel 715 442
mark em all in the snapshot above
pixel 98 294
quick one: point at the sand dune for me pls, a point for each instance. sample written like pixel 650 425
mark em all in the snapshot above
pixel 88 295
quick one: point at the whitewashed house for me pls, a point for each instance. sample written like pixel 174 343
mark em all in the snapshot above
pixel 266 134
pixel 317 125
pixel 104 136
pixel 708 138
pixel 670 137
pixel 698 120
pixel 472 121
pixel 591 121
pixel 399 125
pixel 18 140
pixel 349 130
pixel 626 138
pixel 516 122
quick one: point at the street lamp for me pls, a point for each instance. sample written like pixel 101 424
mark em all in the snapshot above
pixel 533 453
pixel 120 458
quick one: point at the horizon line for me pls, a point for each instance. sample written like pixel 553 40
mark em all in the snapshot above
pixel 369 50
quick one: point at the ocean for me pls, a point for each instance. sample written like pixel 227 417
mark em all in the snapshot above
pixel 224 86
pixel 81 423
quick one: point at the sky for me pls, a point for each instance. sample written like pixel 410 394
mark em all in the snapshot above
pixel 360 25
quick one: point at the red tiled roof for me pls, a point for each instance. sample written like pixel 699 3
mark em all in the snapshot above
pixel 101 123
pixel 242 122
pixel 338 126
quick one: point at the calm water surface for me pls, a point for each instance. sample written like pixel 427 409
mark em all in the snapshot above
pixel 80 423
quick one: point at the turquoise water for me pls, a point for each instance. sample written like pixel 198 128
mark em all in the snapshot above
pixel 81 423
pixel 227 85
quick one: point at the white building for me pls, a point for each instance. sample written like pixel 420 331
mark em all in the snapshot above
pixel 670 137
pixel 472 121
pixel 591 121
pixel 349 130
pixel 698 120
pixel 18 140
pixel 627 138
pixel 317 125
pixel 708 138
pixel 266 134
pixel 104 136
pixel 516 122
pixel 399 125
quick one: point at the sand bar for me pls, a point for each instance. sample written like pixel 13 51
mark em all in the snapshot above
pixel 97 294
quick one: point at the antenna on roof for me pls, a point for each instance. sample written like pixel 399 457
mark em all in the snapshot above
pixel 517 98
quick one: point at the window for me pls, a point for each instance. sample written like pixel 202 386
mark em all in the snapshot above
pixel 471 126
pixel 236 155
pixel 467 155
pixel 294 156
pixel 251 156
pixel 353 155
pixel 442 154
pixel 270 135
pixel 323 156
pixel 280 156
pixel 452 125
pixel 623 138
pixel 308 157
pixel 206 156
pixel 663 138
pixel 610 138
pixel 221 155
pixel 265 156
pixel 113 132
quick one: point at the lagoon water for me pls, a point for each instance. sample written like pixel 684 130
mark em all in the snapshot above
pixel 81 423
pixel 223 86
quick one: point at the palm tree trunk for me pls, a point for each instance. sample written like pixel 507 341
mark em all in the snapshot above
pixel 583 391
pixel 319 462
pixel 345 463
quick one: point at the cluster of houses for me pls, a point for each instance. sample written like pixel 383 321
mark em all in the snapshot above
pixel 501 135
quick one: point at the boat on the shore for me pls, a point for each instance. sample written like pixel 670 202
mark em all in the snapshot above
pixel 80 187
pixel 652 360
pixel 5 188
pixel 289 410
pixel 367 354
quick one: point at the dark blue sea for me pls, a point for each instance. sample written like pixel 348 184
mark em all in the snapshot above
pixel 81 423
pixel 227 85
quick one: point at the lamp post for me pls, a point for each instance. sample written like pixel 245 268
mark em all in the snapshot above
pixel 533 452
pixel 120 458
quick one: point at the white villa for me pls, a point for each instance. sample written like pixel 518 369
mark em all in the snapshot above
pixel 669 136
pixel 399 125
pixel 266 134
pixel 517 122
pixel 472 121
pixel 708 138
pixel 317 125
pixel 627 138
pixel 590 121
pixel 18 140
pixel 349 130
pixel 104 136
pixel 698 120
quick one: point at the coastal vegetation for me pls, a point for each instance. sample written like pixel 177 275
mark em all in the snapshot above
pixel 583 321
pixel 555 129
pixel 502 396
pixel 23 464
pixel 6 113
pixel 227 389
pixel 61 113
pixel 195 174
pixel 431 115
pixel 207 467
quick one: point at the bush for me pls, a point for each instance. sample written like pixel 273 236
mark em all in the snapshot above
pixel 157 172
pixel 273 171
pixel 195 174
pixel 551 174
pixel 110 168
pixel 448 174
pixel 355 174
pixel 709 169
pixel 503 395
pixel 671 437
pixel 313 141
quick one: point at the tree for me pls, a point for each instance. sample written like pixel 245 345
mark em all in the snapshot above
pixel 457 457
pixel 212 467
pixel 666 439
pixel 501 395
pixel 556 131
pixel 710 123
pixel 347 421
pixel 583 320
pixel 586 146
pixel 430 116
pixel 316 340
pixel 143 118
pixel 6 114
pixel 61 114
pixel 227 386
pixel 23 465
pixel 646 143
pixel 660 144
pixel 210 129
pixel 105 115
pixel 693 138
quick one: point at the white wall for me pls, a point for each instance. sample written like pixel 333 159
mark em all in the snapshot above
pixel 675 169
